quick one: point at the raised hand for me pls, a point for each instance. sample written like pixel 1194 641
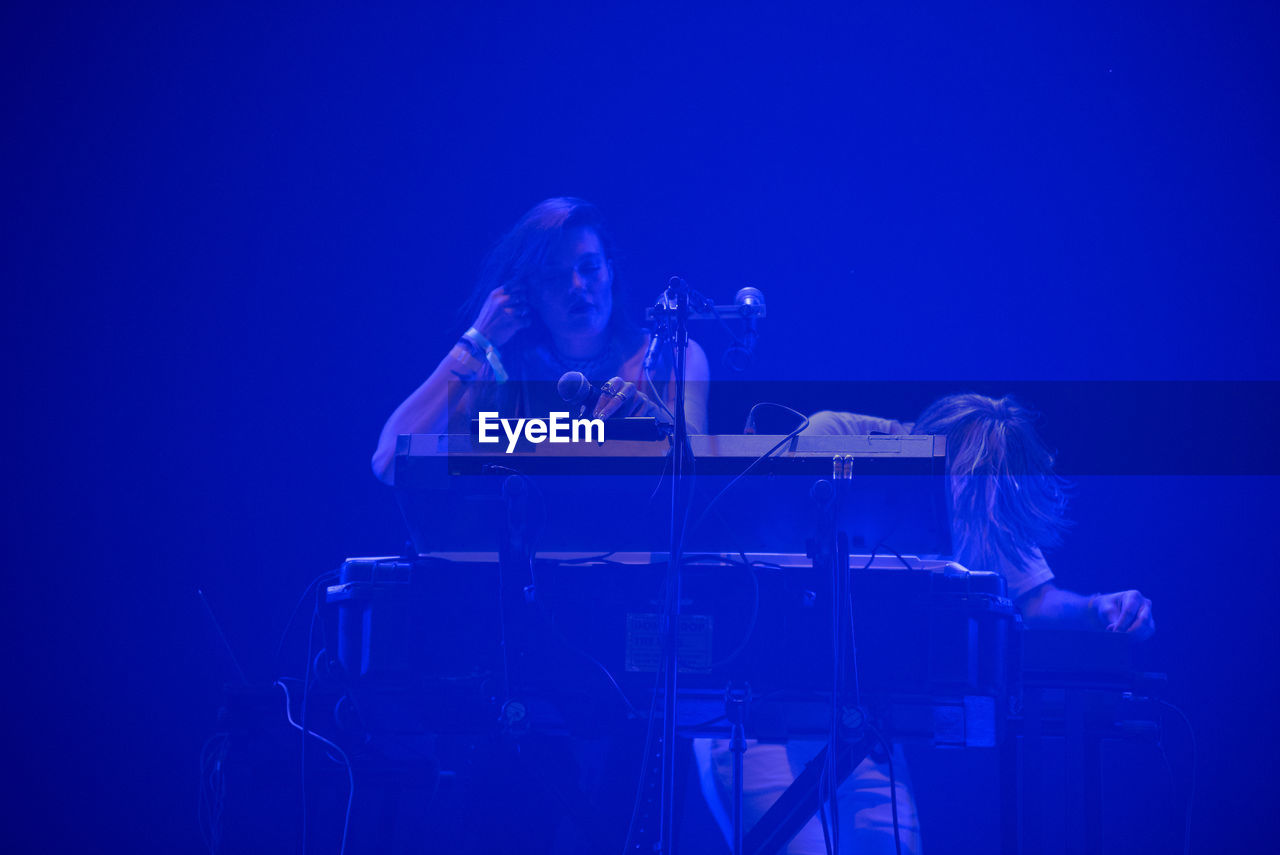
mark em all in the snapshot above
pixel 505 312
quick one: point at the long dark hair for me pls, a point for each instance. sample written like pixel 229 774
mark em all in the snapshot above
pixel 1006 499
pixel 518 255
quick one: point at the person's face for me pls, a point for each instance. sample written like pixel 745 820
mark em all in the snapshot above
pixel 573 291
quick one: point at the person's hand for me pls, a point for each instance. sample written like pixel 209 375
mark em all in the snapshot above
pixel 617 397
pixel 505 312
pixel 1125 611
pixel 621 398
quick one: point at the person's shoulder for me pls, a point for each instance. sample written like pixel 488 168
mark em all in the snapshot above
pixel 839 423
pixel 698 368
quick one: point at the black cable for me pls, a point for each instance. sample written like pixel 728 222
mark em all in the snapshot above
pixel 826 830
pixel 536 526
pixel 532 531
pixel 853 637
pixel 657 396
pixel 905 562
pixel 591 559
pixel 710 559
pixel 549 619
pixel 751 416
pixel 345 760
pixel 723 561
pixel 751 624
pixel 302 763
pixel 543 612
pixel 1191 788
pixel 666 461
pixel 328 574
pixel 824 792
pixel 804 424
pixel 893 789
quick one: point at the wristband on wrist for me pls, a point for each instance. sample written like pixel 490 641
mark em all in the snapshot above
pixel 470 361
pixel 490 352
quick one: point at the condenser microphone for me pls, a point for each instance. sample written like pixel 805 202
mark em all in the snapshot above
pixel 658 335
pixel 576 391
pixel 750 304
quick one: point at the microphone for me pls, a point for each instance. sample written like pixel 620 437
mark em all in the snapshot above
pixel 750 303
pixel 657 335
pixel 575 389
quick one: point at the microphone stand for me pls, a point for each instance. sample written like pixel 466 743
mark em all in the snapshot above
pixel 677 293
pixel 671 317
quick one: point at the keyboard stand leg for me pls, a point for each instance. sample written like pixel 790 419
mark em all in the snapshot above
pixel 800 801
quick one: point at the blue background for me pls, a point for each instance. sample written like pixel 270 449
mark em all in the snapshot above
pixel 237 237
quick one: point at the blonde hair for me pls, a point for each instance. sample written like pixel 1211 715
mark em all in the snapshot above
pixel 1007 502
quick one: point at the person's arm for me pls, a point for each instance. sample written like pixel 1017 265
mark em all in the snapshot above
pixel 837 423
pixel 1048 606
pixel 697 374
pixel 450 390
pixel 446 393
